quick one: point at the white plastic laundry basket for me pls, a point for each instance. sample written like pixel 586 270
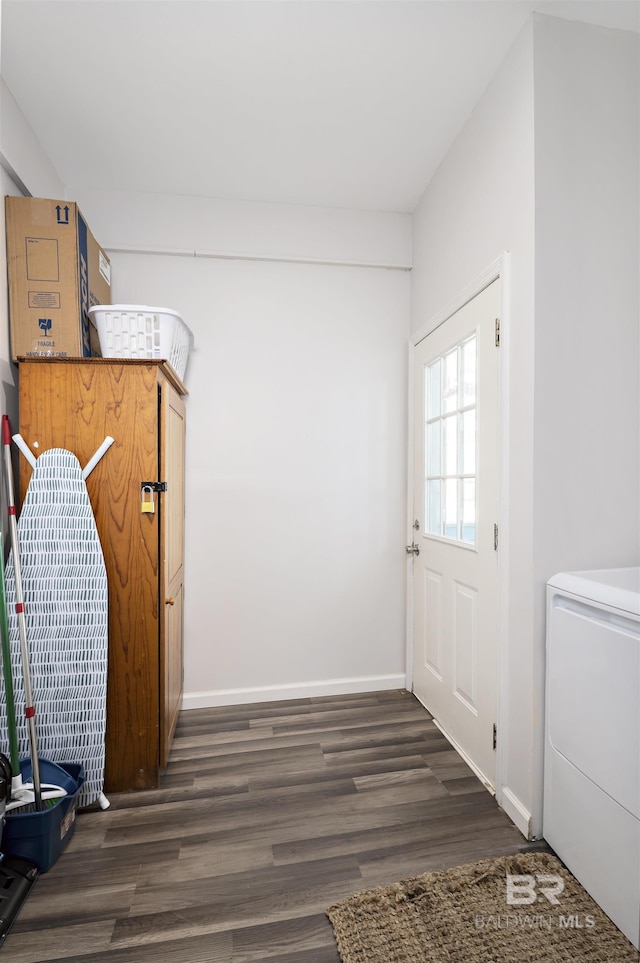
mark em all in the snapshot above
pixel 138 331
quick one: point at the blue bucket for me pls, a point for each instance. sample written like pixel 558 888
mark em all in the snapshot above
pixel 41 837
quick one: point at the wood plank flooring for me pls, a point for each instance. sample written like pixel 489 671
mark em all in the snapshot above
pixel 266 815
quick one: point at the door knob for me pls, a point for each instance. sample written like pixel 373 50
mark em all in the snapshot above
pixel 412 549
pixel 169 601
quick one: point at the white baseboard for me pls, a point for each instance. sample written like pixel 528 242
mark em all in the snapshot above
pixel 506 799
pixel 516 811
pixel 300 690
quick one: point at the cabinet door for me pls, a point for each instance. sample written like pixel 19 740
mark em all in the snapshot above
pixel 172 460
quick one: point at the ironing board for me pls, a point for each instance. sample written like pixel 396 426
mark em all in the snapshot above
pixel 64 584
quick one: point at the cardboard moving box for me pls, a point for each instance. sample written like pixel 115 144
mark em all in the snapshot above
pixel 56 272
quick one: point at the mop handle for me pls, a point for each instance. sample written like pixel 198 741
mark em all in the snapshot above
pixel 14 754
pixel 29 708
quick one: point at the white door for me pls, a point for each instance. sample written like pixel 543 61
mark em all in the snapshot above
pixel 456 503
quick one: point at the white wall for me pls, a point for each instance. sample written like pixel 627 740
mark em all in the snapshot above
pixel 296 438
pixel 479 204
pixel 24 169
pixel 587 387
pixel 8 370
pixel 547 168
pixel 587 353
pixel 21 154
pixel 208 225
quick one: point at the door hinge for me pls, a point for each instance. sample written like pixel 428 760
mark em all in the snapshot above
pixel 495 538
pixel 153 486
pixel 495 735
pixel 497 332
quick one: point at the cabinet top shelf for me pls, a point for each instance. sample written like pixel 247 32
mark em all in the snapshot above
pixel 163 365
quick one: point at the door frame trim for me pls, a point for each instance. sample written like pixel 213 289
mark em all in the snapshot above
pixel 500 268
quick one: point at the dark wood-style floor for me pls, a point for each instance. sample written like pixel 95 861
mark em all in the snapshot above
pixel 266 815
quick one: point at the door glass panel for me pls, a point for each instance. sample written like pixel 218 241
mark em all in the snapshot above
pixel 469 442
pixel 433 512
pixel 451 508
pixel 433 447
pixel 450 389
pixel 469 372
pixel 450 443
pixel 469 510
pixel 433 392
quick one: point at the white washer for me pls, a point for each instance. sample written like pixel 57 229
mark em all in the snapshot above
pixel 592 736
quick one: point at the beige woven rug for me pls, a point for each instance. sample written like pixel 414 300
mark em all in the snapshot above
pixel 494 911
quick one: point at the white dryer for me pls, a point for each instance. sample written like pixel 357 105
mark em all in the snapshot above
pixel 592 736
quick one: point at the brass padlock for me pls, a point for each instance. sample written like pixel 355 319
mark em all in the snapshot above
pixel 148 505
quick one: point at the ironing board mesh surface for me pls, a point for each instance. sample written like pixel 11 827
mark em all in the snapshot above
pixel 64 585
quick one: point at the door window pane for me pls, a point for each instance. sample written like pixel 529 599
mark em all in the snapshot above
pixel 450 388
pixel 433 447
pixel 432 508
pixel 451 508
pixel 469 442
pixel 469 510
pixel 450 443
pixel 433 392
pixel 469 372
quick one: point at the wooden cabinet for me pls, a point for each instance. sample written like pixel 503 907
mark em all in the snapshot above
pixel 75 404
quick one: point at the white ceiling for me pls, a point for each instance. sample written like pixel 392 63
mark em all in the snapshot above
pixel 343 104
